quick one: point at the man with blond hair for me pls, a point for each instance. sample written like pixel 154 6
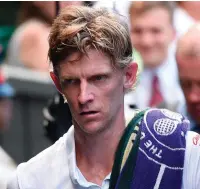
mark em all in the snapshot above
pixel 188 60
pixel 91 53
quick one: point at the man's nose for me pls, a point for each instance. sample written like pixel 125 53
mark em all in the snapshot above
pixel 146 39
pixel 85 94
pixel 194 94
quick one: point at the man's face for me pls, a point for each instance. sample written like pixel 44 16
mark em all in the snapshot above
pixel 94 91
pixel 151 34
pixel 190 83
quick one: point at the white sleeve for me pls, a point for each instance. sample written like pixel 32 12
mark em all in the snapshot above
pixel 191 172
pixel 13 183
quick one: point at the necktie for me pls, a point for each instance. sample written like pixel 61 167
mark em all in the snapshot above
pixel 156 96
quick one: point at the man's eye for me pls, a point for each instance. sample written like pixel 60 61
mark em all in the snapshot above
pixel 136 31
pixel 69 81
pixel 156 31
pixel 185 84
pixel 100 77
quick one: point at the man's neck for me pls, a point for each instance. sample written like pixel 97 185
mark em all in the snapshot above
pixel 95 154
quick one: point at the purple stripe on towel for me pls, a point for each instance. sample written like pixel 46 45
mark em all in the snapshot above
pixel 161 151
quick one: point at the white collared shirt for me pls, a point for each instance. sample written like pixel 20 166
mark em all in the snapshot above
pixel 182 21
pixel 75 174
pixel 55 167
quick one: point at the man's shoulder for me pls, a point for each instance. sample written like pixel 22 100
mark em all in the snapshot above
pixel 191 173
pixel 160 113
pixel 43 167
pixel 165 122
pixel 13 182
pixel 48 152
pixel 166 114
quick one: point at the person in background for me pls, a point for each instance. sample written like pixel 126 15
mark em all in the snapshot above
pixel 28 46
pixel 188 60
pixel 93 69
pixel 7 165
pixel 152 34
pixel 186 15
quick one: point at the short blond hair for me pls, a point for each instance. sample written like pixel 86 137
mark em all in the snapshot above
pixel 78 28
pixel 139 7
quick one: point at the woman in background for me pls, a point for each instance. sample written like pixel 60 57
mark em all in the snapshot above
pixel 28 46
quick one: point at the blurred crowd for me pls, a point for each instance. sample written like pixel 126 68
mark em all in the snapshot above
pixel 166 45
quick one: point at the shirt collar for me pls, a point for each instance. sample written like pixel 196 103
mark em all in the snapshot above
pixel 75 174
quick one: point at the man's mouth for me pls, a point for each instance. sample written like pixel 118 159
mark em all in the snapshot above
pixel 88 113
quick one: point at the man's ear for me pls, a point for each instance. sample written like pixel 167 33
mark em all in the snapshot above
pixel 56 81
pixel 130 75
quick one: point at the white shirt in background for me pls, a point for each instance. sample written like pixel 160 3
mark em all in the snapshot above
pixel 182 21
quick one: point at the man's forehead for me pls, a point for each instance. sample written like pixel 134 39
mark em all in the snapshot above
pixel 188 60
pixel 153 12
pixel 189 43
pixel 189 69
pixel 89 70
pixel 92 64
